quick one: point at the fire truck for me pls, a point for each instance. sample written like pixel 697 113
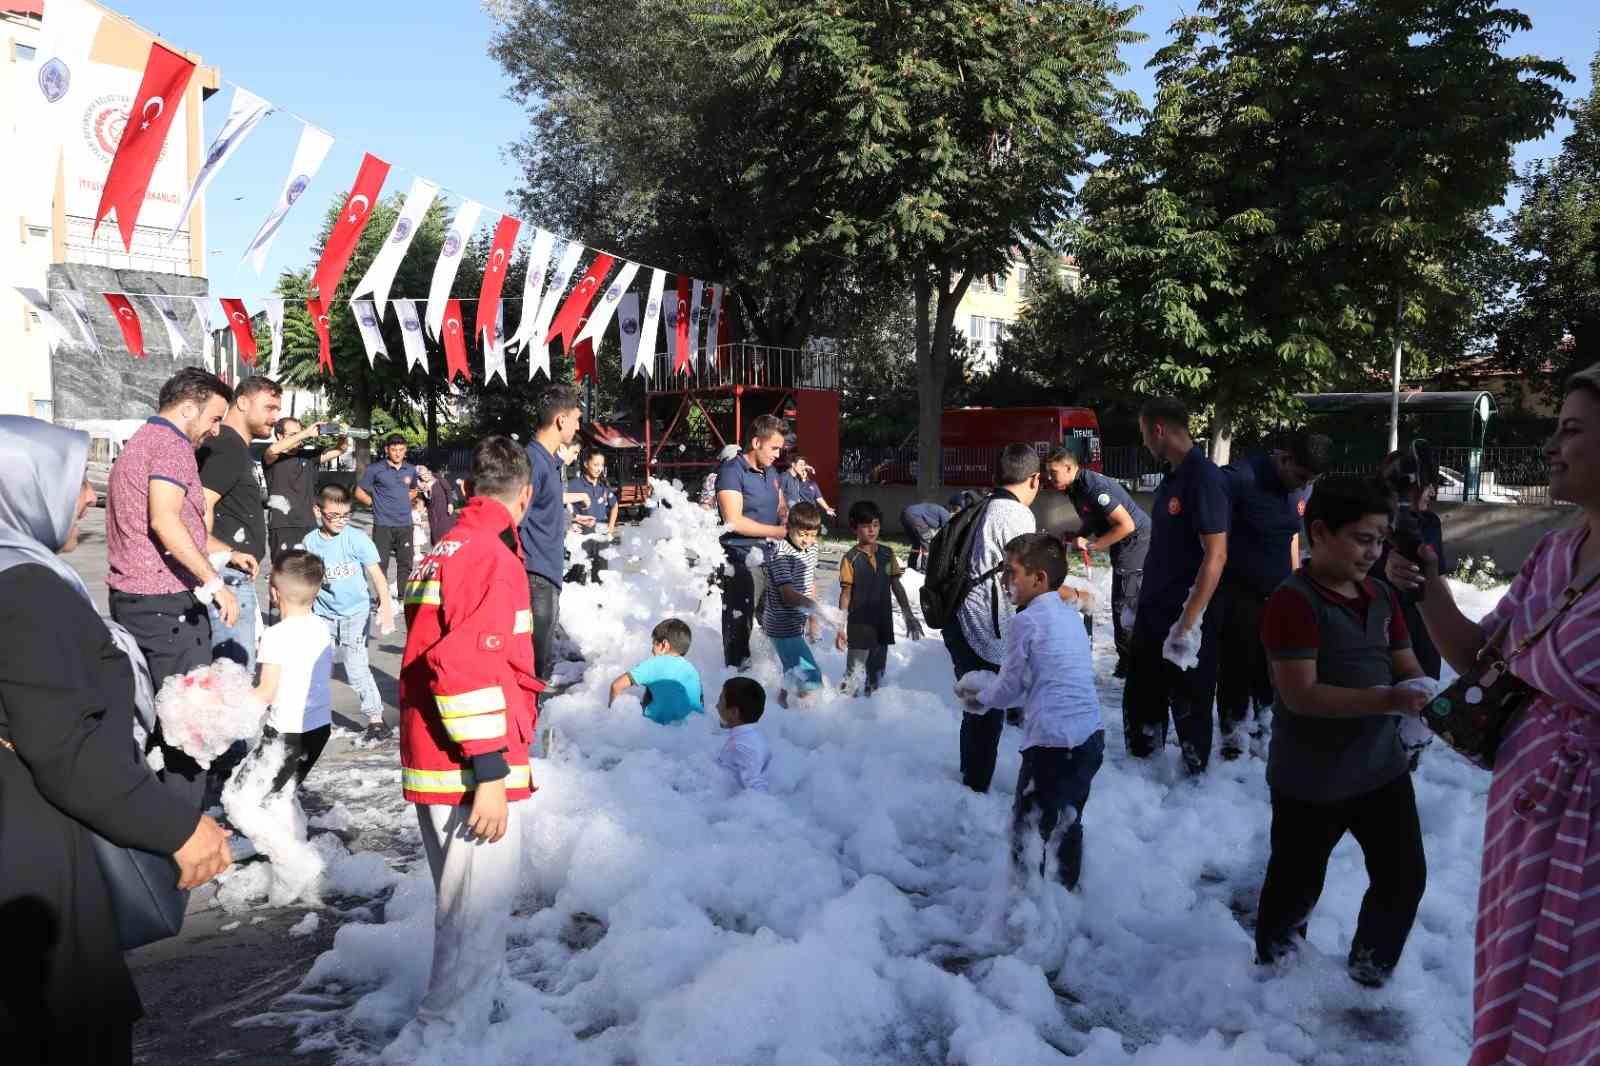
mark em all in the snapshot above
pixel 971 439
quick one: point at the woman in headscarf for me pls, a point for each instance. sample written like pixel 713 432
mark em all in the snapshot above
pixel 68 764
pixel 1536 993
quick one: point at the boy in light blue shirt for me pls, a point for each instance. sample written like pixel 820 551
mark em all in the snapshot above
pixel 350 566
pixel 671 683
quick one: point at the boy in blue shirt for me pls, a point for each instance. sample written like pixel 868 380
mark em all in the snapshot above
pixel 350 565
pixel 671 683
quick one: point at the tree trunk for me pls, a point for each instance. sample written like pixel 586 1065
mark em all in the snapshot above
pixel 930 392
pixel 433 413
pixel 1222 436
pixel 1394 394
pixel 361 413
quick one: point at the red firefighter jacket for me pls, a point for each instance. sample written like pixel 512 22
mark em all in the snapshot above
pixel 467 685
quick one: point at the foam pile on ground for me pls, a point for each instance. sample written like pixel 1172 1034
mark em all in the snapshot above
pixel 274 823
pixel 864 911
pixel 205 711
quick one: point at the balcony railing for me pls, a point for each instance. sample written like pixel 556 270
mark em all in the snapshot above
pixel 749 365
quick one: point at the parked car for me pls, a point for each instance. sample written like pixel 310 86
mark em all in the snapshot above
pixel 107 436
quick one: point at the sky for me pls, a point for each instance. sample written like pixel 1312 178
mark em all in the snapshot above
pixel 413 83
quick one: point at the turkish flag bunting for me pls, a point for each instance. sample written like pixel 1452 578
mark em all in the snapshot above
pixel 455 343
pixel 166 78
pixel 583 359
pixel 494 275
pixel 724 353
pixel 681 362
pixel 243 335
pixel 319 319
pixel 128 319
pixel 569 320
pixel 352 220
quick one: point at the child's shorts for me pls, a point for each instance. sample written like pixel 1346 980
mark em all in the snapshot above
pixel 799 666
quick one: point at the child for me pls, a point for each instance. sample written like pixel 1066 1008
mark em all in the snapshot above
pixel 867 575
pixel 789 618
pixel 1340 656
pixel 671 683
pixel 1049 671
pixel 745 756
pixel 351 562
pixel 296 657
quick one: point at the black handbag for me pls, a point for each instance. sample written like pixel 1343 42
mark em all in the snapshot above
pixel 145 898
pixel 1471 715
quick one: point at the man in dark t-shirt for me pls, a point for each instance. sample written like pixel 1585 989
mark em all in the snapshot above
pixel 543 529
pixel 291 463
pixel 388 486
pixel 752 509
pixel 234 512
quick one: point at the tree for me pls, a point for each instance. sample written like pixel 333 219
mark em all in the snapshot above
pixel 1295 196
pixel 1554 317
pixel 925 141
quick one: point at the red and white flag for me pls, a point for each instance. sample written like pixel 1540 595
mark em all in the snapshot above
pixel 569 320
pixel 166 78
pixel 380 275
pixel 319 319
pixel 239 322
pixel 494 279
pixel 128 322
pixel 696 320
pixel 681 332
pixel 455 343
pixel 353 219
pixel 595 328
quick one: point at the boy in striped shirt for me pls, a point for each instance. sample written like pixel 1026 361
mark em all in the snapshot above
pixel 790 618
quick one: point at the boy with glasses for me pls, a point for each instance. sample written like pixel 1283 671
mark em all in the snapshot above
pixel 350 566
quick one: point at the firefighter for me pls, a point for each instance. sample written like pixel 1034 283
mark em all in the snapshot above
pixel 467 715
pixel 1113 523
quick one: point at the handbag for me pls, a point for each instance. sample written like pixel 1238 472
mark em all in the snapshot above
pixel 1471 715
pixel 145 898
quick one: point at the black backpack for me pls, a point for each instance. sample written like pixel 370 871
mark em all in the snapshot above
pixel 947 583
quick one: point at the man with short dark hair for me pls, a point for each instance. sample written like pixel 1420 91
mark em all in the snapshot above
pixel 234 514
pixel 388 487
pixel 751 504
pixel 1111 522
pixel 1269 494
pixel 290 464
pixel 543 528
pixel 976 637
pixel 799 484
pixel 1188 549
pixel 160 579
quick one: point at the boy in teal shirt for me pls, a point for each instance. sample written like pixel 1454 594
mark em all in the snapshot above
pixel 671 683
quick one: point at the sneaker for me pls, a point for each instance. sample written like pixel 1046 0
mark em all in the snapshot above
pixel 1122 669
pixel 377 729
pixel 1232 745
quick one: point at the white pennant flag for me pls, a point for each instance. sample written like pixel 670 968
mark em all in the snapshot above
pixel 599 318
pixel 167 311
pixel 246 113
pixel 367 322
pixel 274 308
pixel 308 156
pixel 80 316
pixel 494 349
pixel 713 324
pixel 380 275
pixel 411 334
pixel 696 346
pixel 444 271
pixel 52 98
pixel 208 327
pixel 538 346
pixel 55 332
pixel 647 324
pixel 544 242
pixel 628 325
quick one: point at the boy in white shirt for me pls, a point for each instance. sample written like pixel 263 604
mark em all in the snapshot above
pixel 1047 669
pixel 296 660
pixel 745 756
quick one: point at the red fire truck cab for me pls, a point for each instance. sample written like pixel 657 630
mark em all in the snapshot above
pixel 972 438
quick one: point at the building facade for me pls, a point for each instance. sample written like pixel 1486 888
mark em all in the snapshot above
pixel 993 304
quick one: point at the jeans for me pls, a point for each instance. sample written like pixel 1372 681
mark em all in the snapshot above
pixel 980 733
pixel 349 634
pixel 1155 687
pixel 394 541
pixel 238 641
pixel 1243 678
pixel 1384 822
pixel 1052 787
pixel 799 665
pixel 921 536
pixel 544 596
pixel 174 632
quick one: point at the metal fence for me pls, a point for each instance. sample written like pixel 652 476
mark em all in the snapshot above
pixel 1515 475
pixel 756 366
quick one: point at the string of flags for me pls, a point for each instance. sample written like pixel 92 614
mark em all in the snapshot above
pixel 577 318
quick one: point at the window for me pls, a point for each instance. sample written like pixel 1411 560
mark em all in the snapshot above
pixel 1022 277
pixel 997 283
pixel 996 331
pixel 975 329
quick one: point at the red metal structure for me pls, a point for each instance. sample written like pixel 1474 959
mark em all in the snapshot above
pixel 690 415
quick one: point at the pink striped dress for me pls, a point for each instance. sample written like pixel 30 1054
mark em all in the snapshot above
pixel 1536 994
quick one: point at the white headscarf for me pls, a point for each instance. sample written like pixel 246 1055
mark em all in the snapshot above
pixel 41 474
